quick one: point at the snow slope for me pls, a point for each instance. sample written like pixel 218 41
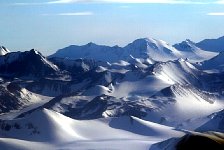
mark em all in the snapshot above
pixel 151 48
pixel 178 71
pixel 59 132
pixel 215 123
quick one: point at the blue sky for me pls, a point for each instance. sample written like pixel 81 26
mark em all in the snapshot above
pixel 49 25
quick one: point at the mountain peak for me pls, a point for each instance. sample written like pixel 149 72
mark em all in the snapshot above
pixel 189 41
pixel 35 51
pixel 90 44
pixel 3 50
pixel 144 40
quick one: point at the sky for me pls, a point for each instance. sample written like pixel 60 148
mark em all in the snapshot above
pixel 49 25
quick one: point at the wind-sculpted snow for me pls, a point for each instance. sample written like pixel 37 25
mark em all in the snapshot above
pixel 179 71
pixel 60 132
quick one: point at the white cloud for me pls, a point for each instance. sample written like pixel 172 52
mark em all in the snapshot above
pixel 86 13
pixel 76 14
pixel 62 1
pixel 220 2
pixel 216 14
pixel 130 1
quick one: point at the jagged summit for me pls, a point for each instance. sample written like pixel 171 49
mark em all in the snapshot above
pixel 3 50
pixel 186 45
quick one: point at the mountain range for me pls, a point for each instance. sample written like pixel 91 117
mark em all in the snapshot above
pixel 146 95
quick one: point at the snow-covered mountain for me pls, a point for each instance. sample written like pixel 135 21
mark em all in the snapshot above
pixel 13 97
pixel 94 96
pixel 144 48
pixel 29 63
pixel 141 48
pixel 191 51
pixel 214 45
pixel 3 50
pixel 91 51
pixel 151 48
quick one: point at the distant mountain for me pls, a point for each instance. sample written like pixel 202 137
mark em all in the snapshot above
pixel 214 45
pixel 141 48
pixel 216 62
pixel 144 48
pixel 190 50
pixel 3 50
pixel 26 64
pixel 91 51
pixel 151 48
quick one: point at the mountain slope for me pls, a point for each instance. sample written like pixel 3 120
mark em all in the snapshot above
pixel 216 62
pixel 214 124
pixel 13 97
pixel 178 71
pixel 29 63
pixel 215 45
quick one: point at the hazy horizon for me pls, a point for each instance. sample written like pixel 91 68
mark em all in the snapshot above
pixel 50 25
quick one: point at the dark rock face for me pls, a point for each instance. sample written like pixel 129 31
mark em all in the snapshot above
pixel 196 142
pixel 10 98
pixel 29 63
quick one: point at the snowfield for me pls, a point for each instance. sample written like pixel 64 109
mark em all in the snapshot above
pixel 47 129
